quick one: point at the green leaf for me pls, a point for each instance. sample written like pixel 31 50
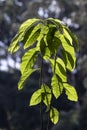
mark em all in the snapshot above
pixel 60 69
pixel 42 47
pixel 74 38
pixel 70 92
pixel 46 95
pixel 44 30
pixel 75 42
pixel 64 41
pixel 68 52
pixel 69 59
pixel 55 45
pixel 14 46
pixel 36 98
pixel 52 41
pixel 28 33
pixel 57 86
pixel 57 23
pixel 24 77
pixel 27 24
pixel 67 35
pixel 55 20
pixel 54 115
pixel 28 59
pixel 26 65
pixel 32 37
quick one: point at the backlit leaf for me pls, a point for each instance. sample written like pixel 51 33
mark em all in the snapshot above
pixel 35 98
pixel 14 46
pixel 27 24
pixel 70 92
pixel 52 41
pixel 57 23
pixel 24 77
pixel 69 59
pixel 46 94
pixel 57 86
pixel 67 35
pixel 28 59
pixel 54 115
pixel 42 47
pixel 44 50
pixel 74 38
pixel 31 38
pixel 60 69
pixel 68 52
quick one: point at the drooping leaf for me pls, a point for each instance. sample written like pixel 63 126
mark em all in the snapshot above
pixel 60 69
pixel 27 24
pixel 56 20
pixel 57 23
pixel 69 52
pixel 42 47
pixel 31 38
pixel 67 35
pixel 69 59
pixel 52 41
pixel 64 41
pixel 55 45
pixel 46 94
pixel 44 30
pixel 27 34
pixel 47 54
pixel 28 59
pixel 14 46
pixel 24 77
pixel 57 86
pixel 70 92
pixel 54 115
pixel 74 38
pixel 36 98
pixel 75 42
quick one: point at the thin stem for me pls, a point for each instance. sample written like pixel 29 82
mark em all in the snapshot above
pixel 55 56
pixel 41 107
pixel 48 124
pixel 48 121
pixel 41 116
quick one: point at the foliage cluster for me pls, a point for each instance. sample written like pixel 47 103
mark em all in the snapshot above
pixel 51 40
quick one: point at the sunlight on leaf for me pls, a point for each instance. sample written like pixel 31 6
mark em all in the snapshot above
pixel 60 69
pixel 46 94
pixel 32 37
pixel 54 115
pixel 28 59
pixel 69 59
pixel 27 24
pixel 70 92
pixel 57 86
pixel 67 35
pixel 74 38
pixel 35 98
pixel 24 77
pixel 14 46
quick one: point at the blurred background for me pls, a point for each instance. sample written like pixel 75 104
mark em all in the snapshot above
pixel 15 113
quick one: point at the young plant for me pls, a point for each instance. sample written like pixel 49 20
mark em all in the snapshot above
pixel 52 41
